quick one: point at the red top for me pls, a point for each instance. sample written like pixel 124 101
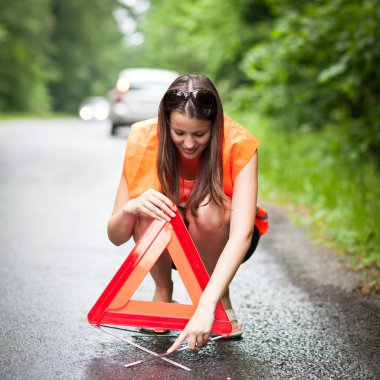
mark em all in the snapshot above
pixel 185 189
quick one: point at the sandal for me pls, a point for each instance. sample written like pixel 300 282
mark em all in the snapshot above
pixel 156 331
pixel 153 331
pixel 232 317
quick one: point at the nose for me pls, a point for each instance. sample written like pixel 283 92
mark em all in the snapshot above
pixel 189 142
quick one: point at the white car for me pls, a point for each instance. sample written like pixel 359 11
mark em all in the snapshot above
pixel 94 108
pixel 137 95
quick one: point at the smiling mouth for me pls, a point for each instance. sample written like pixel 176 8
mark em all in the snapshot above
pixel 189 150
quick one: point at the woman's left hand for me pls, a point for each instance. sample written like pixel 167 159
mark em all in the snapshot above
pixel 197 330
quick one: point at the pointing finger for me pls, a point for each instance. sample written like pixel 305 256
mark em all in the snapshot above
pixel 178 342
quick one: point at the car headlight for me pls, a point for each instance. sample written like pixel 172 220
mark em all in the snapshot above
pixel 101 113
pixel 123 85
pixel 86 113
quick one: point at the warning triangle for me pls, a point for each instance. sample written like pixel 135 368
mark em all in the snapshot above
pixel 115 305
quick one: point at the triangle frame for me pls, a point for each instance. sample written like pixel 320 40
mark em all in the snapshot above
pixel 115 307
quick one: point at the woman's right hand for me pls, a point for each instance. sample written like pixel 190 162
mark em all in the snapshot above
pixel 153 204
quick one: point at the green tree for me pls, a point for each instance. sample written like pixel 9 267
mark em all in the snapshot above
pixel 25 67
pixel 88 50
pixel 206 36
pixel 321 64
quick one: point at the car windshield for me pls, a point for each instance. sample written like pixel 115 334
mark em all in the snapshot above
pixel 137 85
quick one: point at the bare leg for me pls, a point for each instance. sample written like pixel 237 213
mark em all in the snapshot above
pixel 210 231
pixel 162 269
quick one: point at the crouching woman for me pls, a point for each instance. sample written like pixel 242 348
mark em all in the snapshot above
pixel 195 159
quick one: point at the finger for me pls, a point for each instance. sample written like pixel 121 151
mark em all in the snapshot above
pixel 202 340
pixel 160 205
pixel 205 338
pixel 193 343
pixel 145 210
pixel 157 212
pixel 155 205
pixel 166 201
pixel 199 344
pixel 178 342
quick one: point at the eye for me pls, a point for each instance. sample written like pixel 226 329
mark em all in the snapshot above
pixel 199 134
pixel 178 133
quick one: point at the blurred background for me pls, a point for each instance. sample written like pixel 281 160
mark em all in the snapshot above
pixel 304 77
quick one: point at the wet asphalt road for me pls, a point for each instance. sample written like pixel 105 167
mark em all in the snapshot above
pixel 57 184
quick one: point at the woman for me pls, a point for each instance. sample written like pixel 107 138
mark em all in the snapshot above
pixel 197 159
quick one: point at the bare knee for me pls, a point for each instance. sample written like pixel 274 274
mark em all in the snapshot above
pixel 142 223
pixel 210 218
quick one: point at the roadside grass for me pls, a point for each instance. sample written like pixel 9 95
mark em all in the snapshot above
pixel 329 189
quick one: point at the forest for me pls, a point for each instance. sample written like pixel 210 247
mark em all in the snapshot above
pixel 304 76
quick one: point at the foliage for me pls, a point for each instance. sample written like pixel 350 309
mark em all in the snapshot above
pixel 343 200
pixel 25 46
pixel 87 51
pixel 54 53
pixel 206 36
pixel 319 65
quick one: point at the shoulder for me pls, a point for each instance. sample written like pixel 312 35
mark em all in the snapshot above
pixel 145 130
pixel 143 138
pixel 238 149
pixel 235 133
pixel 140 157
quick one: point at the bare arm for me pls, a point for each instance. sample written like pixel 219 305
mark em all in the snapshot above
pixel 120 225
pixel 241 226
pixel 126 209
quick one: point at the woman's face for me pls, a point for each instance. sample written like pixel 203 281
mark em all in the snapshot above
pixel 190 136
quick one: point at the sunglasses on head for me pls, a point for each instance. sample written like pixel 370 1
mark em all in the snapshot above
pixel 204 99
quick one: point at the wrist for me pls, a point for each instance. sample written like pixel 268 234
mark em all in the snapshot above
pixel 128 208
pixel 207 303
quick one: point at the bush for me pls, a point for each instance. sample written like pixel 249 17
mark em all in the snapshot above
pixel 311 169
pixel 320 65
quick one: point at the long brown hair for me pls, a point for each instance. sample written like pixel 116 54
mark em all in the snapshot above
pixel 210 181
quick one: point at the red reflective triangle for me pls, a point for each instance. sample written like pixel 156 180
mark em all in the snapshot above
pixel 115 306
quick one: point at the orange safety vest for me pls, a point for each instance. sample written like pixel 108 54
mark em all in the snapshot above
pixel 140 170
